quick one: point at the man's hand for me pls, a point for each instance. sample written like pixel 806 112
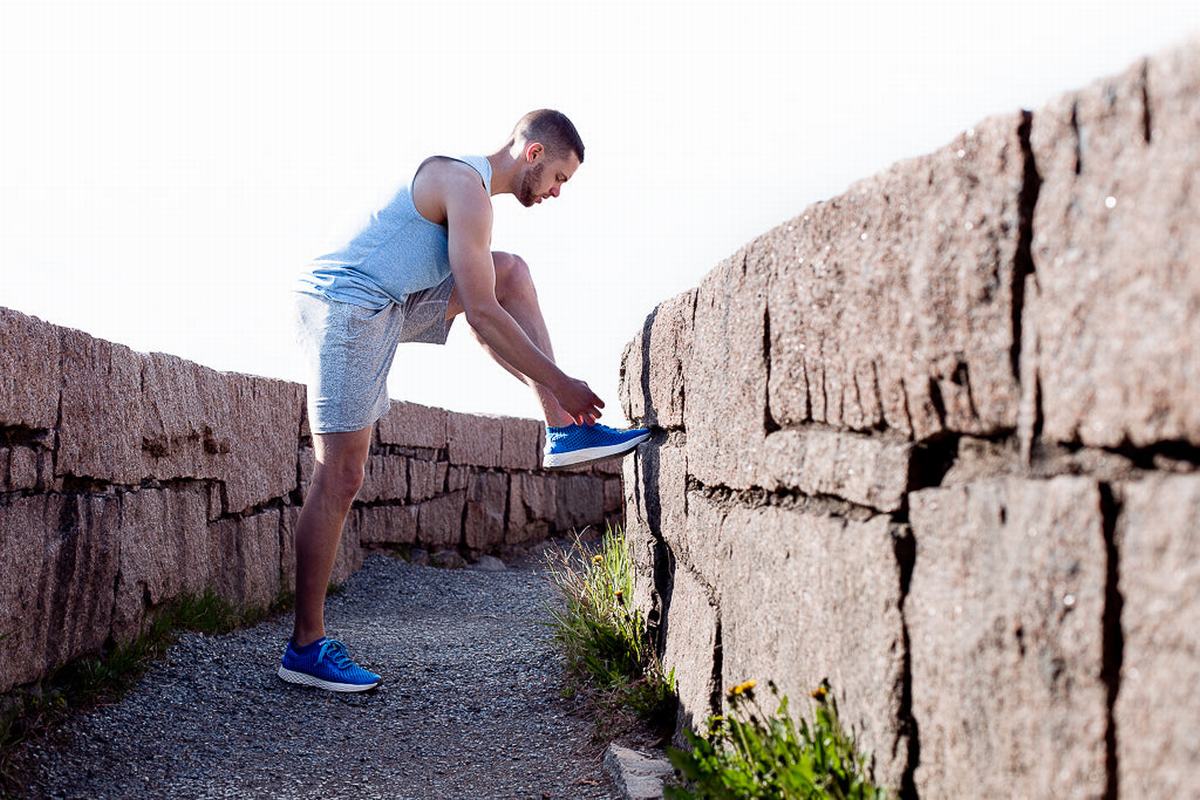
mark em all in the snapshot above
pixel 577 400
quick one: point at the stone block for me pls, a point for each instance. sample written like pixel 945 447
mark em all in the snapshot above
pixel 580 501
pixel 1116 253
pixel 1158 709
pixel 350 553
pixel 806 597
pixel 614 495
pixel 691 628
pixel 308 465
pixel 244 559
pixel 412 425
pixel 424 479
pixel 892 305
pixel 474 439
pixel 652 382
pixel 532 507
pixel 519 443
pixel 389 524
pixel 58 554
pixel 164 552
pixel 456 478
pixel 30 371
pixel 385 479
pixel 726 379
pixel 642 544
pixel 1005 616
pixel 866 470
pixel 25 468
pixel 487 496
pixel 287 548
pixel 99 435
pixel 440 520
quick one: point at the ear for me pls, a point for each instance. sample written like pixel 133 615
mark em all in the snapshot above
pixel 533 150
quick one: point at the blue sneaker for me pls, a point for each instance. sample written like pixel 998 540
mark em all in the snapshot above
pixel 326 665
pixel 575 444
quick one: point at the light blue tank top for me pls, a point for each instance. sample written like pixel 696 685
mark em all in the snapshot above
pixel 397 252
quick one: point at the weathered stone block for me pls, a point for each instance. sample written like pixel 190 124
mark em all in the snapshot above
pixel 1005 616
pixel 387 524
pixel 642 544
pixel 892 304
pixel 58 555
pixel 474 439
pixel 412 425
pixel 1116 253
pixel 164 552
pixel 1158 709
pixel 487 495
pixel 456 478
pixel 580 501
pixel 652 383
pixel 350 553
pixel 866 470
pixel 244 559
pixel 24 468
pixel 424 479
pixel 99 435
pixel 532 507
pixel 726 379
pixel 691 626
pixel 519 448
pixel 613 495
pixel 385 479
pixel 439 521
pixel 308 465
pixel 806 597
pixel 30 370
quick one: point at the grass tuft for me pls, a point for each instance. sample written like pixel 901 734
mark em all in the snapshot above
pixel 607 646
pixel 748 755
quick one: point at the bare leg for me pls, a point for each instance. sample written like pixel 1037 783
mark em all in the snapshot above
pixel 516 294
pixel 341 458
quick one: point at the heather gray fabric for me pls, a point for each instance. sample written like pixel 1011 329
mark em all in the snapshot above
pixel 348 351
pixel 396 252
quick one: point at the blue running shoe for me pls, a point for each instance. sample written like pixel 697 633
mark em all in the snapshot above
pixel 325 664
pixel 575 444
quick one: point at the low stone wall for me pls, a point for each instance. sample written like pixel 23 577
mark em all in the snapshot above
pixel 127 479
pixel 938 440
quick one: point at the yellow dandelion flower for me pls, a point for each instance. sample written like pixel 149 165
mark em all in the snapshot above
pixel 819 692
pixel 597 559
pixel 742 687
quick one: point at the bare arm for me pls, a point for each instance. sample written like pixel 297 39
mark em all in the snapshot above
pixel 469 219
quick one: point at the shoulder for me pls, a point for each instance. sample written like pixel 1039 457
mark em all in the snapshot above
pixel 452 175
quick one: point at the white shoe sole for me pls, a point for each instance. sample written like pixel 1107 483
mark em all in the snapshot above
pixel 551 460
pixel 308 680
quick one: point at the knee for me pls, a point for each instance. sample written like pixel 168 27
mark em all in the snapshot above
pixel 340 481
pixel 513 278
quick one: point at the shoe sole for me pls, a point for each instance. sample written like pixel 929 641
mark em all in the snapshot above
pixel 552 460
pixel 304 679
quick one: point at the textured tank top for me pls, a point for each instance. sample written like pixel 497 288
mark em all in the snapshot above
pixel 397 252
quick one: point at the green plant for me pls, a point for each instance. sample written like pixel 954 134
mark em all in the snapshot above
pixel 747 755
pixel 603 637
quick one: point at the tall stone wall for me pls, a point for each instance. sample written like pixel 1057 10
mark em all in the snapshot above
pixel 127 479
pixel 937 440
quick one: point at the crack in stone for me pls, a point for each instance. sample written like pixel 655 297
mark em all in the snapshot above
pixel 1147 125
pixel 1113 641
pixel 1023 262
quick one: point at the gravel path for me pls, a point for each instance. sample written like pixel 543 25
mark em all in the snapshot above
pixel 469 708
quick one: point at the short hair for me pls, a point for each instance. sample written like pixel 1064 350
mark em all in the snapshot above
pixel 552 129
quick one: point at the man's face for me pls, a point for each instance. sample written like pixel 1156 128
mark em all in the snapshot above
pixel 543 178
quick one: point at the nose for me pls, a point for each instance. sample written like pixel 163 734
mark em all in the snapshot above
pixel 554 191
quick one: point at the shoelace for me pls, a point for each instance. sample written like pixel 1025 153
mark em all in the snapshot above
pixel 337 653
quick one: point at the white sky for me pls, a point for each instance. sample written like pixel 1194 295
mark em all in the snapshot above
pixel 167 167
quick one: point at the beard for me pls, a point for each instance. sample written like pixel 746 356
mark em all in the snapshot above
pixel 532 177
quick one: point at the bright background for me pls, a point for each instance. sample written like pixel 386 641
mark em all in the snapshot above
pixel 166 168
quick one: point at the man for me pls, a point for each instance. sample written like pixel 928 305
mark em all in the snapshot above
pixel 421 261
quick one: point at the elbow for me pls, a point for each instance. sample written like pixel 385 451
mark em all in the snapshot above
pixel 480 315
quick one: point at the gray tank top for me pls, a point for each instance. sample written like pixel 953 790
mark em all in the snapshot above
pixel 397 252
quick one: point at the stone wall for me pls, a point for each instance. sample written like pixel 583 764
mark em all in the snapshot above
pixel 937 440
pixel 127 479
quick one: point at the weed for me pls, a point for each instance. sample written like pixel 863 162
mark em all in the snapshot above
pixel 748 755
pixel 604 639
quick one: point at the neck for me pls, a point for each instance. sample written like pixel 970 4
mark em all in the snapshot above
pixel 504 172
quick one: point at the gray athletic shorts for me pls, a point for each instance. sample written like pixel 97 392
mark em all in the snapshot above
pixel 348 351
